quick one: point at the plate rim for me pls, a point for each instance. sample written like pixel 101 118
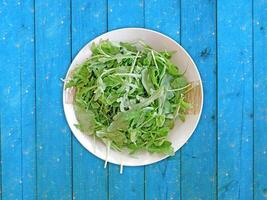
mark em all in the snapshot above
pixel 73 131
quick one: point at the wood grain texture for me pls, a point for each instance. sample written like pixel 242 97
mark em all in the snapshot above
pixel 10 100
pixel 235 100
pixel 198 157
pixel 53 54
pixel 28 136
pixel 17 100
pixel 89 19
pixel 163 178
pixel 40 159
pixel 129 185
pixel 260 99
pixel 122 14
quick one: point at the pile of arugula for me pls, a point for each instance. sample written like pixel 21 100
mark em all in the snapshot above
pixel 129 95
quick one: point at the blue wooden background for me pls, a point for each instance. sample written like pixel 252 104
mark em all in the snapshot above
pixel 226 158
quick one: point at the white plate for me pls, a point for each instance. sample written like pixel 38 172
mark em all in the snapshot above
pixel 181 131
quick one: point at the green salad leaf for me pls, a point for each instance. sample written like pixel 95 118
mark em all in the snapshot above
pixel 128 95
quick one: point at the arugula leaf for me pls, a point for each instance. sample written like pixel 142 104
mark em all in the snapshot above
pixel 129 97
pixel 172 69
pixel 146 81
pixel 85 118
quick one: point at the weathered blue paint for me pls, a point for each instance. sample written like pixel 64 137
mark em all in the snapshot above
pixel 11 145
pixel 28 136
pixel 53 55
pixel 163 179
pixel 39 157
pixel 17 100
pixel 129 185
pixel 89 175
pixel 260 99
pixel 198 157
pixel 235 100
pixel 125 14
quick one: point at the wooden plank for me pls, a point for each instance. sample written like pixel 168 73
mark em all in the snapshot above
pixel 11 101
pixel 28 101
pixel 0 149
pixel 123 14
pixel 163 179
pixel 260 99
pixel 53 55
pixel 198 157
pixel 235 100
pixel 89 176
pixel 17 100
pixel 129 185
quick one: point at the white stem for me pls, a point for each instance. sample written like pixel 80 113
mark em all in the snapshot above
pixel 121 168
pixel 178 89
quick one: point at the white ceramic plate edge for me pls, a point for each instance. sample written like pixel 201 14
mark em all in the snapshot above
pixel 82 138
